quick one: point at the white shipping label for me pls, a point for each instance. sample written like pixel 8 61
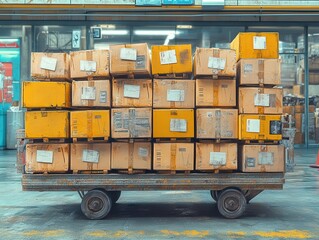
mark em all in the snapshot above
pixel 88 93
pixel 217 158
pixel 259 43
pixel 90 156
pixel 87 66
pixel 103 95
pixel 128 54
pixel 44 156
pixel 131 91
pixel 175 95
pixel 216 63
pixel 143 152
pixel 168 57
pixel 48 63
pixel 266 158
pixel 253 125
pixel 248 68
pixel 262 99
pixel 178 125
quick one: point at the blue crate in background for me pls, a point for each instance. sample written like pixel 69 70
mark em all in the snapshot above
pixel 148 3
pixel 178 2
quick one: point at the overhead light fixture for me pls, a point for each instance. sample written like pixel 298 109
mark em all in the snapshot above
pixel 115 32
pixel 155 32
pixel 109 26
pixel 184 26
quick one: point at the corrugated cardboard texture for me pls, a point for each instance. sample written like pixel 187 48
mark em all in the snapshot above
pixel 203 65
pixel 215 93
pixel 99 57
pixel 90 156
pixel 91 93
pixel 217 123
pixel 131 123
pixel 132 93
pixel 46 94
pixel 259 71
pixel 246 47
pixel 173 156
pixel 173 93
pixel 136 155
pixel 43 157
pixel 253 100
pixel 90 124
pixel 260 127
pixel 173 123
pixel 141 65
pixel 61 68
pixel 47 124
pixel 262 158
pixel 162 65
pixel 216 156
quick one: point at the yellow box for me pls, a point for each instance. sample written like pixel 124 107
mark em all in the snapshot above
pixel 260 127
pixel 256 45
pixel 47 124
pixel 172 59
pixel 46 94
pixel 173 123
pixel 90 123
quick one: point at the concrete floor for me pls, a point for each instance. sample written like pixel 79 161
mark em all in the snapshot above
pixel 289 214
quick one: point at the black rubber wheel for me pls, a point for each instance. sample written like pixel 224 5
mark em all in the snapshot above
pixel 115 195
pixel 96 204
pixel 215 195
pixel 231 203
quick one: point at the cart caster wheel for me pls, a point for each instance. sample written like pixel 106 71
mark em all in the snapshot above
pixel 215 195
pixel 231 203
pixel 96 204
pixel 115 195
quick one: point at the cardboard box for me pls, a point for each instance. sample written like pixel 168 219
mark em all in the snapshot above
pixel 253 100
pixel 216 156
pixel 298 90
pixel 46 94
pixel 91 93
pixel 173 123
pixel 137 155
pixel 173 93
pixel 130 59
pixel 173 156
pixel 47 124
pixel 90 157
pixel 215 93
pixel 301 109
pixel 132 93
pixel 90 124
pixel 131 123
pixel 313 78
pixel 215 62
pixel 260 127
pixel 299 138
pixel 50 66
pixel 172 59
pixel 289 110
pixel 90 63
pixel 44 157
pixel 259 71
pixel 262 158
pixel 256 45
pixel 217 123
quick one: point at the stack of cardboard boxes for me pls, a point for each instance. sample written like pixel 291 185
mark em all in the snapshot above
pixel 259 102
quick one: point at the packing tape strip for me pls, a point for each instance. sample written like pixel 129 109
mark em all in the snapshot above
pixel 91 102
pixel 89 116
pixel 218 127
pixel 261 109
pixel 131 156
pixel 261 71
pixel 216 85
pixel 173 156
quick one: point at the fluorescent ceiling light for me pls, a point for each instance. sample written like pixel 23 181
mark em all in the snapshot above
pixel 155 32
pixel 184 26
pixel 115 32
pixel 109 26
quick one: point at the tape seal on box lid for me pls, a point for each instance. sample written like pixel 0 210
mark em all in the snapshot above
pixel 215 94
pixel 218 119
pixel 89 115
pixel 261 71
pixel 131 156
pixel 173 156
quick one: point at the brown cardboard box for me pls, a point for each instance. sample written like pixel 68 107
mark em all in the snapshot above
pixel 44 157
pixel 253 100
pixel 259 71
pixel 216 156
pixel 173 156
pixel 262 158
pixel 313 78
pixel 132 93
pixel 90 156
pixel 130 58
pixel 301 109
pixel 299 138
pixel 215 93
pixel 90 63
pixel 215 62
pixel 217 123
pixel 137 155
pixel 91 93
pixel 50 66
pixel 173 93
pixel 131 122
pixel 288 110
pixel 298 90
